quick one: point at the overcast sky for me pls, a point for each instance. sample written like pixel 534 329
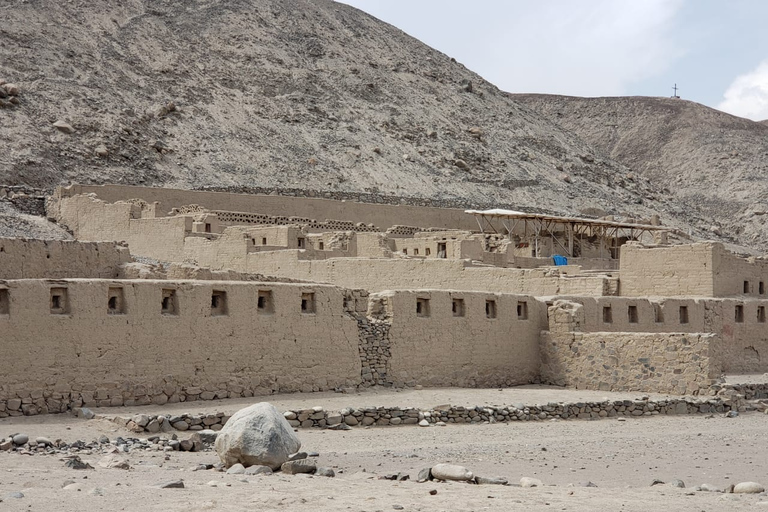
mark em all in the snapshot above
pixel 715 50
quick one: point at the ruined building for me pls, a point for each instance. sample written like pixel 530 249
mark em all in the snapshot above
pixel 170 295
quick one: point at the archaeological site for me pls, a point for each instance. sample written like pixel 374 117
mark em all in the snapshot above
pixel 267 255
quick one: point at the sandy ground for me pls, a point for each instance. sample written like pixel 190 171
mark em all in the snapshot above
pixel 621 457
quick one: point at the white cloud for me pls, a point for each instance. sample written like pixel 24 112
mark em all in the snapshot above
pixel 747 96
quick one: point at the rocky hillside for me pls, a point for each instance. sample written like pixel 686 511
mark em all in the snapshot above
pixel 289 95
pixel 708 159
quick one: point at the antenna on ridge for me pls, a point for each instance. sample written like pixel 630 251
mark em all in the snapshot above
pixel 674 95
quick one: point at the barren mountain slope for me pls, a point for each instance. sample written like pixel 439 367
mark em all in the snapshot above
pixel 270 93
pixel 708 159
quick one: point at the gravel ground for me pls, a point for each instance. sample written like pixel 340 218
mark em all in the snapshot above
pixel 621 457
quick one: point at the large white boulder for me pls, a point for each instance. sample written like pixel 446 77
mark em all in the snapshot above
pixel 451 472
pixel 257 435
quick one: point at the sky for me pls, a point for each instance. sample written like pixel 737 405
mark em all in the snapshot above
pixel 716 51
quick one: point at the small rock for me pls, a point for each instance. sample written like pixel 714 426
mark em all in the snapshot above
pixel 114 462
pixel 709 488
pixel 43 441
pixel 6 445
pixel 530 482
pixel 423 423
pixel 748 488
pixel 63 127
pixel 258 470
pixel 16 495
pixel 236 469
pixel 97 492
pixel 656 481
pixel 398 507
pixel 12 89
pixel 173 484
pixel 293 467
pixel 325 472
pixel 86 413
pixel 20 439
pixel 76 463
pixel 298 456
pixel 181 425
pixel 424 475
pixel 587 484
pixel 73 487
pixel 433 492
pixel 101 151
pixel 451 472
pixel 484 480
pixel 677 483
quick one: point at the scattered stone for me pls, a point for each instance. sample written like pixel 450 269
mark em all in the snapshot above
pixel 677 483
pixel 20 439
pixel 530 482
pixel 101 151
pixel 587 484
pixel 482 480
pixel 748 488
pixel 451 472
pixel 173 484
pixel 424 475
pixel 325 472
pixel 258 470
pixel 16 495
pixel 236 469
pixel 423 423
pixel 656 481
pixel 86 413
pixel 398 507
pixel 709 488
pixel 433 492
pixel 44 441
pixel 294 467
pixel 114 462
pixel 6 445
pixel 257 435
pixel 98 491
pixel 186 445
pixel 73 487
pixel 63 127
pixel 76 463
pixel 298 456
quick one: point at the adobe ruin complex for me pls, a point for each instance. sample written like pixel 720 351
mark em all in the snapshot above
pixel 172 295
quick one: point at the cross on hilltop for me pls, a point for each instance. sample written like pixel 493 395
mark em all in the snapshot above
pixel 674 95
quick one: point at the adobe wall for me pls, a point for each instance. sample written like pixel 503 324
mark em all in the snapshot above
pixel 736 276
pixel 30 259
pixel 680 270
pixel 88 356
pixel 381 215
pixel 574 353
pixel 471 347
pixel 426 273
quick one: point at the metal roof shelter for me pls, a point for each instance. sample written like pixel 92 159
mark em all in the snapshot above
pixel 540 225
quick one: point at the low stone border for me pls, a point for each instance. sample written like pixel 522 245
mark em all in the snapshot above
pixel 318 417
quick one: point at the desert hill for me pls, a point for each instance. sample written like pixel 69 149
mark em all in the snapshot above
pixel 708 159
pixel 267 93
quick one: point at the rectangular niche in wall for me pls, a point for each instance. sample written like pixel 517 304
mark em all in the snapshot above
pixel 219 303
pixel 490 308
pixel 761 314
pixel 607 315
pixel 308 303
pixel 458 307
pixel 632 314
pixel 59 301
pixel 739 313
pixel 522 310
pixel 422 307
pixel 683 314
pixel 5 302
pixel 658 314
pixel 265 305
pixel 115 301
pixel 170 303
